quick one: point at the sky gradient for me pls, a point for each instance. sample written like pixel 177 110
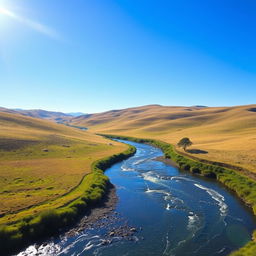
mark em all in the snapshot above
pixel 92 55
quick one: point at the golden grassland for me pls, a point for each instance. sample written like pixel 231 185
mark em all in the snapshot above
pixel 42 163
pixel 224 134
pixel 45 166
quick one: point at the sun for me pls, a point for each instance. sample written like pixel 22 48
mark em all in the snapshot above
pixel 7 21
pixel 6 12
pixel 3 6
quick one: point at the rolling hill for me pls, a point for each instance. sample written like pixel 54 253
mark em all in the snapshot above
pixel 41 162
pixel 44 114
pixel 225 134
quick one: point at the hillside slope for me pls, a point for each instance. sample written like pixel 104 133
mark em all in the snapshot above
pixel 44 114
pixel 41 161
pixel 226 134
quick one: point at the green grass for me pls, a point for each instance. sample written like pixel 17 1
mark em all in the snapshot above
pixel 49 222
pixel 248 250
pixel 30 176
pixel 243 186
pixel 41 161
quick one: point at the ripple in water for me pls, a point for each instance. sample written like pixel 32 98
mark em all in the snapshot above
pixel 218 198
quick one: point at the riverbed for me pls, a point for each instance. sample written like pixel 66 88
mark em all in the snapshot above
pixel 160 211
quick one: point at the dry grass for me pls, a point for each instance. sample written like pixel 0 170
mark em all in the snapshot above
pixel 41 161
pixel 228 134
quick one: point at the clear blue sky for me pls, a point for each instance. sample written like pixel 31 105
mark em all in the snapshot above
pixel 97 55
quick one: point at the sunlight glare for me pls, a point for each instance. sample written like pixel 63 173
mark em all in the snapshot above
pixel 39 27
pixel 6 12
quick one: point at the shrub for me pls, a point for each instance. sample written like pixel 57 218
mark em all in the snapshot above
pixel 195 170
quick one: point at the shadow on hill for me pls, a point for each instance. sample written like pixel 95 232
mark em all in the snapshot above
pixel 252 109
pixel 7 144
pixel 197 151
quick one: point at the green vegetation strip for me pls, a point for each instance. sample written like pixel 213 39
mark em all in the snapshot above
pixel 48 223
pixel 243 186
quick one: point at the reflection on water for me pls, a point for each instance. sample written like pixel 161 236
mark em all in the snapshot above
pixel 174 213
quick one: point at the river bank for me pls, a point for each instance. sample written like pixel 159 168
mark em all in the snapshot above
pixel 99 211
pixel 243 186
pixel 14 236
pixel 167 161
pixel 103 215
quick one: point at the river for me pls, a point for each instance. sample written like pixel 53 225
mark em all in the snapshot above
pixel 170 212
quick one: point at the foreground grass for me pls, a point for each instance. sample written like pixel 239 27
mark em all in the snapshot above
pixel 41 161
pixel 49 174
pixel 31 177
pixel 50 220
pixel 243 186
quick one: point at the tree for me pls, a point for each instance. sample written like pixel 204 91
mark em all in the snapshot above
pixel 184 143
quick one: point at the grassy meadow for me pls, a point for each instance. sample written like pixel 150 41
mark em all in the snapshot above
pixel 43 163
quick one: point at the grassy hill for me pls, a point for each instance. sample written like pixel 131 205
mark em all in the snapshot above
pixel 40 162
pixel 225 134
pixel 44 114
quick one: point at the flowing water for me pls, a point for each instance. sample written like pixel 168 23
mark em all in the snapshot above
pixel 174 213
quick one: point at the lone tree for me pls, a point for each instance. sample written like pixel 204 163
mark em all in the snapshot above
pixel 184 143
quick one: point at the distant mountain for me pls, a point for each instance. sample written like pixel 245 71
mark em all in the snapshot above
pixel 44 114
pixel 6 110
pixel 39 113
pixel 200 106
pixel 76 114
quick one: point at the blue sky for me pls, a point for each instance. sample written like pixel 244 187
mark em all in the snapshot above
pixel 92 55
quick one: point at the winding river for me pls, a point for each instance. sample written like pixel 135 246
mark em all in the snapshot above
pixel 171 213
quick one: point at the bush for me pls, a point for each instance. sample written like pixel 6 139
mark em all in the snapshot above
pixel 195 170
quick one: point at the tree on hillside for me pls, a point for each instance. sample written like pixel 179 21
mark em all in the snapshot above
pixel 184 143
